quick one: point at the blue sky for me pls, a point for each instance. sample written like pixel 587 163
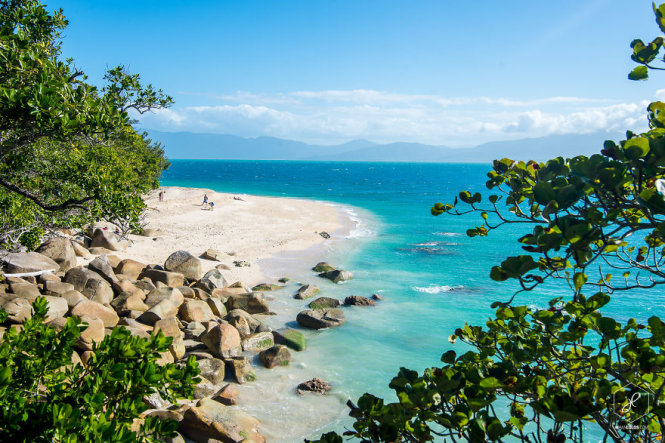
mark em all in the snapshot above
pixel 439 72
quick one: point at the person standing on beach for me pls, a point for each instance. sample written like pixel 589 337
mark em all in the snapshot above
pixel 205 201
pixel 161 196
pixel 212 205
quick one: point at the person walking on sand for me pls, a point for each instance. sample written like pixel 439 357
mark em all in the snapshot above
pixel 161 196
pixel 205 201
pixel 212 205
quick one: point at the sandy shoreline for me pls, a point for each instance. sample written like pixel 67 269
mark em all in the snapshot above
pixel 252 229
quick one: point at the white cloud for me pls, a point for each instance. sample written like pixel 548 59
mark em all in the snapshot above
pixel 335 116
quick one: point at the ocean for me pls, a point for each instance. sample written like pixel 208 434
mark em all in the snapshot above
pixel 432 276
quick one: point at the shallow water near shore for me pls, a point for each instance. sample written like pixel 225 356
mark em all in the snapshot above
pixel 432 276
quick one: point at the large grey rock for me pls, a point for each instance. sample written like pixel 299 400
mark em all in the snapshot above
pixel 73 298
pixel 213 420
pixel 212 280
pixel 320 318
pixel 20 262
pixel 223 341
pixel 158 294
pixel 171 279
pixel 128 302
pixel 164 309
pixel 217 307
pixel 57 307
pixel 184 263
pixel 258 341
pixel 277 355
pixel 24 290
pixel 104 239
pixel 80 250
pixel 130 268
pixel 101 266
pixel 90 284
pixel 195 310
pixel 306 291
pixel 253 324
pixel 61 251
pixel 57 288
pixel 212 369
pixel 94 332
pixel 337 275
pixel 89 308
pixel 19 310
pixel 253 303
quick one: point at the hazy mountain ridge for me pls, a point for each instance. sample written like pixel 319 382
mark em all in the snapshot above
pixel 188 145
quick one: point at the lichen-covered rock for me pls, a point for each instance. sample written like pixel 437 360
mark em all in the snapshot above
pixel 277 355
pixel 320 318
pixel 323 267
pixel 241 369
pixel 337 275
pixel 223 341
pixel 213 420
pixel 20 262
pixel 258 341
pixel 266 287
pixel 212 369
pixel 184 263
pixel 306 291
pixel 61 251
pixel 290 337
pixel 357 300
pixel 325 302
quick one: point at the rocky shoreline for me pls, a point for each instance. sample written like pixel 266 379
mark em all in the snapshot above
pixel 221 323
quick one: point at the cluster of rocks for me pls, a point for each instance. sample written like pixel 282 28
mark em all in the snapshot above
pixel 216 322
pixel 323 312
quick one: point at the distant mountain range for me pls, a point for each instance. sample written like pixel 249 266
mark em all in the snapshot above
pixel 188 145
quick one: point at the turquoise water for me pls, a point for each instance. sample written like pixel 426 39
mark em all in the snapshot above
pixel 432 276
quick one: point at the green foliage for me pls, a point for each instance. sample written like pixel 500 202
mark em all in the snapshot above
pixel 68 152
pixel 543 374
pixel 44 397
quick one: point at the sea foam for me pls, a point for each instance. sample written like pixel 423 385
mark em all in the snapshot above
pixel 432 289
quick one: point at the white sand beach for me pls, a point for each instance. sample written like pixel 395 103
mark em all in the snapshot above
pixel 250 229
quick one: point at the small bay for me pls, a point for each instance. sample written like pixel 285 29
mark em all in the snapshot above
pixel 433 278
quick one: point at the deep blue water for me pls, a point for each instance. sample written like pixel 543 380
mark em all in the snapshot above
pixel 434 278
